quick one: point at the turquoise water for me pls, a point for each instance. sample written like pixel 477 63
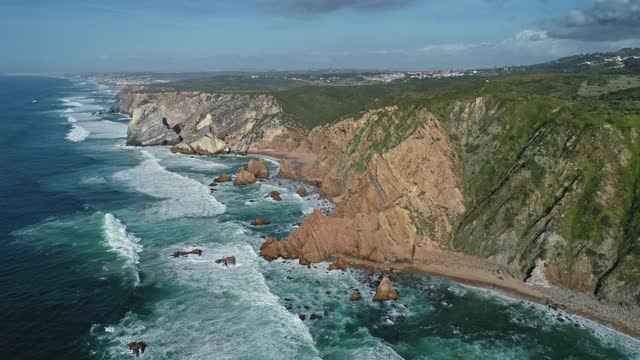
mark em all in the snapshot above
pixel 89 226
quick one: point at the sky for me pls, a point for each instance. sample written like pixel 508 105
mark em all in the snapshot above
pixel 213 35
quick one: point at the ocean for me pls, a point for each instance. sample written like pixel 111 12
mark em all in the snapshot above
pixel 88 226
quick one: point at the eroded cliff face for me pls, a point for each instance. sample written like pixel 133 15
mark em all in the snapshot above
pixel 403 205
pixel 204 123
pixel 509 180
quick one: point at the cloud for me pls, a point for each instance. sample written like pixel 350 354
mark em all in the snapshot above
pixel 606 20
pixel 314 7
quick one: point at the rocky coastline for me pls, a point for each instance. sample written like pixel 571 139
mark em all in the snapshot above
pixel 404 183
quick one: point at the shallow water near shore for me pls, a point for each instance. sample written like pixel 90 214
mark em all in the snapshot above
pixel 89 226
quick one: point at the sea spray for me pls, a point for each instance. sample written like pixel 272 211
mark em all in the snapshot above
pixel 181 196
pixel 123 243
pixel 77 133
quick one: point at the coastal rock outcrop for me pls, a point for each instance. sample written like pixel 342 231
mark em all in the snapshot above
pixel 385 291
pixel 288 170
pixel 244 177
pixel 258 169
pixel 227 261
pixel 137 347
pixel 204 123
pixel 223 178
pixel 302 192
pixel 340 264
pixel 275 195
pixel 260 221
pixel 185 253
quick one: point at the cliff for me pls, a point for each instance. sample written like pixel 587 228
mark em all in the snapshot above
pixel 204 123
pixel 543 187
pixel 521 183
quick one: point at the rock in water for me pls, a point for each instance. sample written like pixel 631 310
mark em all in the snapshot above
pixel 385 291
pixel 137 347
pixel 258 169
pixel 340 264
pixel 223 178
pixel 275 195
pixel 185 253
pixel 182 148
pixel 260 221
pixel 227 261
pixel 272 249
pixel 356 297
pixel 244 177
pixel 302 192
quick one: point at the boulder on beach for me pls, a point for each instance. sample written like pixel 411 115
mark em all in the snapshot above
pixel 227 261
pixel 258 169
pixel 385 291
pixel 260 221
pixel 340 264
pixel 302 192
pixel 223 178
pixel 356 297
pixel 244 177
pixel 275 195
pixel 137 347
pixel 185 253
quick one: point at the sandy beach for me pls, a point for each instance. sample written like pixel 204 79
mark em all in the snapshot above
pixel 479 272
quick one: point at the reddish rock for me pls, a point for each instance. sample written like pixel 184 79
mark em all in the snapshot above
pixel 137 347
pixel 227 261
pixel 258 169
pixel 356 297
pixel 340 264
pixel 302 192
pixel 244 177
pixel 223 178
pixel 275 195
pixel 273 248
pixel 260 221
pixel 304 261
pixel 385 291
pixel 288 171
pixel 185 253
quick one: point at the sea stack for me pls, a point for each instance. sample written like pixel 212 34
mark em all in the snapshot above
pixel 244 177
pixel 258 169
pixel 385 291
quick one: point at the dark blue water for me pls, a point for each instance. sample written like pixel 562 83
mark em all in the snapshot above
pixel 87 227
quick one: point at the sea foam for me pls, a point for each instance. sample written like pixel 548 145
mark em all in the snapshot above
pixel 77 133
pixel 181 196
pixel 123 243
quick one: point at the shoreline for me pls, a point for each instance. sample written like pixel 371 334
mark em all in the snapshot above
pixel 484 278
pixel 482 274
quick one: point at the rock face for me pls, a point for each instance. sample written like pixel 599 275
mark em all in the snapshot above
pixel 244 177
pixel 340 264
pixel 288 171
pixel 204 123
pixel 385 291
pixel 258 169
